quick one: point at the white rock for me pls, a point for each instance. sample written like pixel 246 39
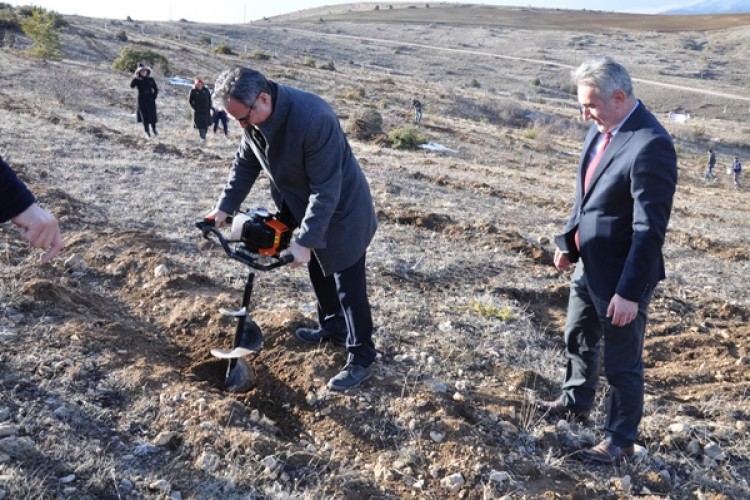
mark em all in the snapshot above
pixel 311 398
pixel 69 490
pixel 437 436
pixel 8 430
pixel 680 428
pixel 160 485
pixel 68 479
pixel 435 385
pixel 208 461
pixel 164 438
pixel 457 396
pixel 161 270
pixel 175 495
pixel 270 462
pixel 75 262
pixel 254 416
pixel 499 476
pixel 453 483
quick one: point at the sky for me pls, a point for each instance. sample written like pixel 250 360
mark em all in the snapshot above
pixel 238 11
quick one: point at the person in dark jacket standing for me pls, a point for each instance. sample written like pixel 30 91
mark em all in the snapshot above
pixel 18 205
pixel 627 177
pixel 200 101
pixel 146 103
pixel 296 139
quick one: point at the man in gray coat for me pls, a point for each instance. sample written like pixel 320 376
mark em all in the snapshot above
pixel 296 138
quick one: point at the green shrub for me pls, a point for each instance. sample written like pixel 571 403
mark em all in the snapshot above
pixel 260 55
pixel 406 138
pixel 224 48
pixel 39 26
pixel 131 57
pixel 309 61
pixel 354 94
pixel 328 66
pixel 204 40
pixel 9 19
pixel 121 36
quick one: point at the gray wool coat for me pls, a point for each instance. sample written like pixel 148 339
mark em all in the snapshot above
pixel 314 172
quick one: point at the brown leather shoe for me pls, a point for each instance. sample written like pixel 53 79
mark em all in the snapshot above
pixel 558 410
pixel 606 453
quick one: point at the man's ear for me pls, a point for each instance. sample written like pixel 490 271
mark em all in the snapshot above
pixel 619 97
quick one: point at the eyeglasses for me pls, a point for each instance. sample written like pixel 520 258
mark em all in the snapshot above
pixel 245 119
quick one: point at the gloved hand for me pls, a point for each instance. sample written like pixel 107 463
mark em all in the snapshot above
pixel 301 254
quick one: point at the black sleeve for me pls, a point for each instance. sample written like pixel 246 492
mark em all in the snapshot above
pixel 15 197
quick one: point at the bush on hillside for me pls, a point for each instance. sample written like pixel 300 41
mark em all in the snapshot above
pixel 8 18
pixel 224 48
pixel 365 124
pixel 406 138
pixel 131 57
pixel 40 27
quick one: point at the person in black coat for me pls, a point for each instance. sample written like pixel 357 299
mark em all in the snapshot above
pixel 18 205
pixel 200 101
pixel 146 103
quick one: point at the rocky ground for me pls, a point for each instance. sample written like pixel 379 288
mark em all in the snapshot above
pixel 109 390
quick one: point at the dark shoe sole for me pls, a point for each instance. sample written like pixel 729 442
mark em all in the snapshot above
pixel 321 340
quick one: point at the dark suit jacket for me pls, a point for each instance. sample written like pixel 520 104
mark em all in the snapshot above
pixel 313 172
pixel 622 219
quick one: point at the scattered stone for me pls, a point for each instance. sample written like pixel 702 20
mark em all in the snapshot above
pixel 499 476
pixel 8 430
pixel 453 483
pixel 126 485
pixel 69 490
pixel 68 479
pixel 75 263
pixel 145 449
pixel 457 396
pixel 161 270
pixel 208 461
pixel 437 436
pixel 435 385
pixel 164 438
pixel 680 429
pixel 160 485
pixel 713 450
pixel 741 426
pixel 175 495
pixel 17 447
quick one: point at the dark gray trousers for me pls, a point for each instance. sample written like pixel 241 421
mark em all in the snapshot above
pixel 585 328
pixel 343 308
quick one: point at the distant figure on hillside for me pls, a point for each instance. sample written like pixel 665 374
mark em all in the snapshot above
pixel 737 170
pixel 200 101
pixel 18 205
pixel 219 115
pixel 710 164
pixel 416 105
pixel 146 103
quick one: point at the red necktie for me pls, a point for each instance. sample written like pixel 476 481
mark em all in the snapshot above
pixel 590 172
pixel 595 161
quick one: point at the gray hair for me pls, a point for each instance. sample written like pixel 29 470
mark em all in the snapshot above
pixel 241 84
pixel 605 75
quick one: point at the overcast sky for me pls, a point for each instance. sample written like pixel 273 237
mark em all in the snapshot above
pixel 238 11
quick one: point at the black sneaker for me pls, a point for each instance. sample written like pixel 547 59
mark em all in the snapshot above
pixel 351 376
pixel 317 336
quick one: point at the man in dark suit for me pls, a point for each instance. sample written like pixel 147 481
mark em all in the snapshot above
pixel 626 180
pixel 296 139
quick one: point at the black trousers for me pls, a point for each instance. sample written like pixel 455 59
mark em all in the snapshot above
pixel 343 308
pixel 586 326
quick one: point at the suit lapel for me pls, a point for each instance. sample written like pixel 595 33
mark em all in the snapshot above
pixel 622 137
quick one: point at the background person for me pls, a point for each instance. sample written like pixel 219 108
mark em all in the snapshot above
pixel 626 181
pixel 710 164
pixel 18 205
pixel 200 101
pixel 218 116
pixel 736 171
pixel 416 105
pixel 146 102
pixel 296 139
